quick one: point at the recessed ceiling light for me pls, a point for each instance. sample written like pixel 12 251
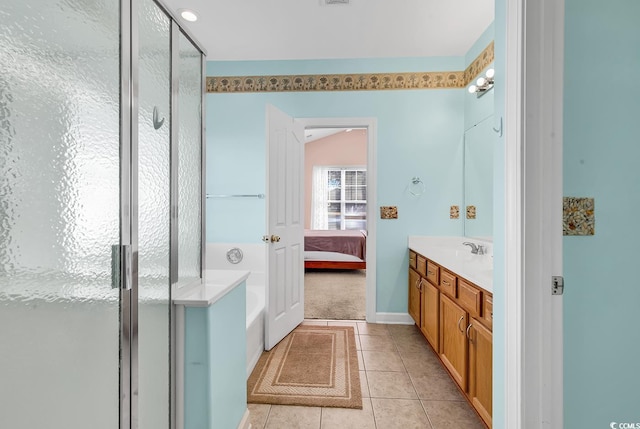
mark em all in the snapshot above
pixel 188 15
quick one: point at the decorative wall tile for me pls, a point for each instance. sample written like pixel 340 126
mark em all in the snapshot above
pixel 471 212
pixel 352 82
pixel 388 212
pixel 454 212
pixel 578 216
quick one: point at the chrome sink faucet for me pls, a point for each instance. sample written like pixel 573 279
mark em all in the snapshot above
pixel 476 249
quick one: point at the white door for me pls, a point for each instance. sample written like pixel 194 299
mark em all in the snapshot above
pixel 285 228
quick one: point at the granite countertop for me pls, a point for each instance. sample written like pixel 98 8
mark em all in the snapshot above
pixel 450 253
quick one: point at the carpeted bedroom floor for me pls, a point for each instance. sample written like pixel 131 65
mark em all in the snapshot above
pixel 335 294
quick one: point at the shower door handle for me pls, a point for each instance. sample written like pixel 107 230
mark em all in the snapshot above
pixel 121 266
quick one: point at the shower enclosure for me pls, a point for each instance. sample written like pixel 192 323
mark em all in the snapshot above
pixel 101 215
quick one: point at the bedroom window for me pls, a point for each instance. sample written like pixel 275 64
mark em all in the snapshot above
pixel 339 198
pixel 347 198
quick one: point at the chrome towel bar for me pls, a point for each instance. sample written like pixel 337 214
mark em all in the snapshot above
pixel 260 196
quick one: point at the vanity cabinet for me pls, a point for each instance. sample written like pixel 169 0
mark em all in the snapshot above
pixel 414 295
pixel 424 297
pixel 430 315
pixel 481 369
pixel 456 317
pixel 454 348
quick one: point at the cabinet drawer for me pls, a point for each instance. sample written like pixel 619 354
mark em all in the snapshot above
pixel 487 311
pixel 469 297
pixel 412 259
pixel 422 265
pixel 448 283
pixel 433 273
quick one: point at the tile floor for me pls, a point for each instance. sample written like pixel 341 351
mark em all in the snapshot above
pixel 403 386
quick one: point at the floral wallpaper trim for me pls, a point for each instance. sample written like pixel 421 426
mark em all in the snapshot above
pixel 481 62
pixel 352 82
pixel 578 216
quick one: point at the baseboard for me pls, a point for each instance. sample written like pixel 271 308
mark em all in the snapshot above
pixel 245 423
pixel 394 318
pixel 253 361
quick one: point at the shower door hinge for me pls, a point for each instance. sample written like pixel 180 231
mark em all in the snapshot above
pixel 557 285
pixel 121 266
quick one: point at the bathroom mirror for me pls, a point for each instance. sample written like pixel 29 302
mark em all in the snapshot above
pixel 478 179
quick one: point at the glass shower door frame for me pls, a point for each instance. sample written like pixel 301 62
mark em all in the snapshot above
pixel 129 110
pixel 127 225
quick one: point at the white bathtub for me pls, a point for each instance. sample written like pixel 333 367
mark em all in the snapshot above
pixel 255 325
pixel 253 261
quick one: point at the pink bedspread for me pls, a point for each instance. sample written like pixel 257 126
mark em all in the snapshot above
pixel 351 242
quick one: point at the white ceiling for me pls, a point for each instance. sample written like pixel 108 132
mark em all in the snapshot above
pixel 313 134
pixel 309 29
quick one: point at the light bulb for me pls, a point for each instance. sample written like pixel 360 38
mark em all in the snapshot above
pixel 189 15
pixel 481 81
pixel 490 73
pixel 472 89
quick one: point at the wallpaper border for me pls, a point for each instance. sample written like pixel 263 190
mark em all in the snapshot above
pixel 352 82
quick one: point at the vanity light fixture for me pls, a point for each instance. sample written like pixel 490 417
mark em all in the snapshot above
pixel 483 84
pixel 188 15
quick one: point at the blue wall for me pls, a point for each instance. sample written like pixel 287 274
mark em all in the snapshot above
pixel 419 134
pixel 601 154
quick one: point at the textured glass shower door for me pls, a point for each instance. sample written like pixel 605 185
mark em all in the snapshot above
pixel 190 195
pixel 154 214
pixel 59 214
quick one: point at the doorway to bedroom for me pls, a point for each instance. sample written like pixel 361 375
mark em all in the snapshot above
pixel 336 222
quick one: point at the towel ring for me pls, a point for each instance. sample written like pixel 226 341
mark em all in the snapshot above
pixel 416 188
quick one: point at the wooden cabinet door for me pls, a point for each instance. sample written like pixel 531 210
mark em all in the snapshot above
pixel 453 341
pixel 414 295
pixel 430 317
pixel 481 369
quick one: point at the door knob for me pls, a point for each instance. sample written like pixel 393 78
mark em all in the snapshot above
pixel 275 238
pixel 265 238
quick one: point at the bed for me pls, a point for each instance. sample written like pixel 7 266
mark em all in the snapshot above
pixel 335 249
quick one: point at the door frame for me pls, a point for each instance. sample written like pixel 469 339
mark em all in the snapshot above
pixel 534 46
pixel 370 124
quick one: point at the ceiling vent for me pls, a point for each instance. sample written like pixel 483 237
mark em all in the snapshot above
pixel 332 2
